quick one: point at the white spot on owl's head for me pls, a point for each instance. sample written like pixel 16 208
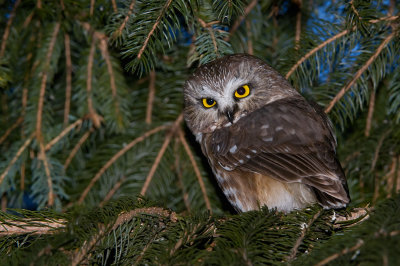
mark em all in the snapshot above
pixel 268 139
pixel 265 126
pixel 241 161
pixel 199 137
pixel 278 128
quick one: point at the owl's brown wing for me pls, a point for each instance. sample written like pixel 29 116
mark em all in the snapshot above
pixel 287 140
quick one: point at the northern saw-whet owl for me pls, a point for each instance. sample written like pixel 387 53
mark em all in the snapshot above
pixel 265 143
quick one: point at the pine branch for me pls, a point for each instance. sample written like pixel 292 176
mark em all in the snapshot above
pixel 92 3
pixel 68 76
pixel 237 23
pixel 163 10
pixel 359 72
pixel 8 27
pixel 121 219
pixel 114 189
pixel 17 155
pixel 196 169
pixel 370 113
pixel 304 230
pixel 122 27
pixel 76 147
pixel 115 158
pixel 160 154
pixel 44 80
pixel 359 244
pixel 150 98
pixel 43 158
pixel 96 118
pixel 77 123
pixel 12 227
pixel 298 25
pixel 10 129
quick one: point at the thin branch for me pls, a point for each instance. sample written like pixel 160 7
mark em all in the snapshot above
pixel 354 9
pixel 325 261
pixel 121 28
pixel 106 56
pixel 68 77
pixel 114 5
pixel 8 27
pixel 43 158
pixel 313 51
pixel 123 218
pixel 44 80
pixel 237 23
pixel 166 6
pixel 378 149
pixel 250 49
pixel 116 156
pixel 210 30
pixel 160 154
pixel 19 152
pixel 77 123
pixel 92 2
pixel 179 174
pixel 359 72
pixel 96 119
pixel 30 227
pixel 4 202
pixel 76 147
pixel 196 169
pixel 298 25
pixel 150 99
pixel 302 235
pixel 391 177
pixel 370 113
pixel 10 129
pixel 113 190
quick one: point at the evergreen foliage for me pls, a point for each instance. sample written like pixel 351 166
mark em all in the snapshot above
pixel 91 118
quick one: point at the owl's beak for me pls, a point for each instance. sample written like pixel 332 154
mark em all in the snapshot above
pixel 230 115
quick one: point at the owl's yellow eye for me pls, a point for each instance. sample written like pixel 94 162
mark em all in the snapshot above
pixel 242 92
pixel 208 103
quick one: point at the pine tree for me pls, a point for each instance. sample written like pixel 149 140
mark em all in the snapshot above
pixel 96 163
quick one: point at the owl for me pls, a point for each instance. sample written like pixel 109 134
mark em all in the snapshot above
pixel 265 143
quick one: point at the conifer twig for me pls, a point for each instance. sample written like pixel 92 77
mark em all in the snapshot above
pixel 160 154
pixel 10 129
pixel 298 25
pixel 68 77
pixel 96 119
pixel 114 189
pixel 325 261
pixel 237 23
pixel 44 80
pixel 15 158
pixel 115 157
pixel 92 2
pixel 12 227
pixel 76 147
pixel 77 123
pixel 106 56
pixel 210 30
pixel 146 41
pixel 179 174
pixel 123 218
pixel 370 113
pixel 196 169
pixel 150 99
pixel 250 49
pixel 8 27
pixel 359 72
pixel 43 158
pixel 304 230
pixel 313 51
pixel 114 5
pixel 121 28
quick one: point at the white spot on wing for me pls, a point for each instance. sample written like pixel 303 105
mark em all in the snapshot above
pixel 253 151
pixel 248 156
pixel 227 168
pixel 268 139
pixel 278 128
pixel 233 149
pixel 241 161
pixel 265 126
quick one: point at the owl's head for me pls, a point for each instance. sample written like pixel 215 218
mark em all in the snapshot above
pixel 223 91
